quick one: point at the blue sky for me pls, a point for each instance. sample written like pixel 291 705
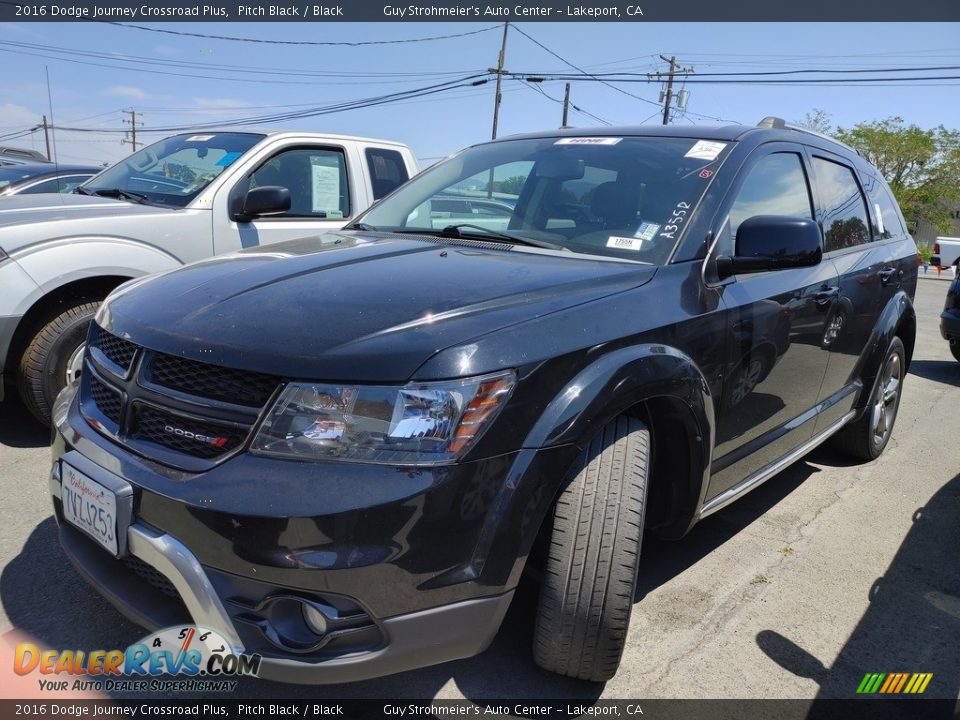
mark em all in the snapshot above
pixel 92 96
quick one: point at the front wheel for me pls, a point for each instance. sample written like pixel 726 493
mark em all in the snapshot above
pixel 867 438
pixel 591 567
pixel 54 356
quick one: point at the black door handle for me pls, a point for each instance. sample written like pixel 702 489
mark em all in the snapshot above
pixel 826 296
pixel 888 274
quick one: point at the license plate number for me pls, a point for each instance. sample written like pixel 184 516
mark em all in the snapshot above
pixel 90 506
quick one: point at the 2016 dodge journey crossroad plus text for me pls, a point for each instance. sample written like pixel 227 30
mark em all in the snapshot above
pixel 341 452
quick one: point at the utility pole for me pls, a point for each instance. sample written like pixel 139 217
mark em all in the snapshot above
pixel 46 137
pixel 499 71
pixel 667 95
pixel 566 105
pixel 132 122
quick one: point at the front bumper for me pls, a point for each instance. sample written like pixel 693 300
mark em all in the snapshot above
pixel 412 567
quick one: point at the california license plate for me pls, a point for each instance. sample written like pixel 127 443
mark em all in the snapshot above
pixel 90 506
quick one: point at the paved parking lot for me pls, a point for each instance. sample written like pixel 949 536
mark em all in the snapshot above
pixel 827 572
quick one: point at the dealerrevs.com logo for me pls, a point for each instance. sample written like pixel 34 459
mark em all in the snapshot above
pixel 199 659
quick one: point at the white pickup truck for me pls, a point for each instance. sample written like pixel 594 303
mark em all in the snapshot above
pixel 182 199
pixel 946 251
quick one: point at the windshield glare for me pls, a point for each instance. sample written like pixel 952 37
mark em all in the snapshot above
pixel 625 197
pixel 174 171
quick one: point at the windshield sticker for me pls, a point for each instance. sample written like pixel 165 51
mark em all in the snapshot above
pixel 199 138
pixel 647 231
pixel 624 243
pixel 228 158
pixel 706 173
pixel 588 141
pixel 705 150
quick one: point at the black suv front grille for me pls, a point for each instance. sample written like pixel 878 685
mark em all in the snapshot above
pixel 151 575
pixel 107 400
pixel 201 438
pixel 181 412
pixel 118 351
pixel 212 381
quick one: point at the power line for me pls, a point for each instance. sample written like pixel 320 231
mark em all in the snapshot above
pixel 583 112
pixel 341 43
pixel 581 70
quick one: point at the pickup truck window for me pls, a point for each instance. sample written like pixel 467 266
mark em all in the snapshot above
pixel 173 171
pixel 624 197
pixel 845 219
pixel 387 171
pixel 316 179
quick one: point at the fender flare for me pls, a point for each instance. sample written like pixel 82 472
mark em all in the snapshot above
pixel 897 318
pixel 624 379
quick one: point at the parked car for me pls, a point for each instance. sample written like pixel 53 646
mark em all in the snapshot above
pixel 35 178
pixel 946 252
pixel 18 156
pixel 342 452
pixel 182 199
pixel 950 318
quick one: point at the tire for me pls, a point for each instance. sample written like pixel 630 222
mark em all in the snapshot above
pixel 42 372
pixel 590 572
pixel 955 349
pixel 867 438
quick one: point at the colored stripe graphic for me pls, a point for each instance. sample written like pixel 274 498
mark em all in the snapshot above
pixel 894 683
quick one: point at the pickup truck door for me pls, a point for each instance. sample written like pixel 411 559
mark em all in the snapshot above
pixel 327 188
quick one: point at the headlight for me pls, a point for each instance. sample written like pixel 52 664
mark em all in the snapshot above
pixel 417 423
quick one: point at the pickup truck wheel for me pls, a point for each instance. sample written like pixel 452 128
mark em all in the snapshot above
pixel 54 356
pixel 867 437
pixel 590 572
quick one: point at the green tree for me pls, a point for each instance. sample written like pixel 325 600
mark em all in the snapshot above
pixel 817 120
pixel 922 166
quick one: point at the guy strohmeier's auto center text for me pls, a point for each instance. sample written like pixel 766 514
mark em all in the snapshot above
pixel 309 11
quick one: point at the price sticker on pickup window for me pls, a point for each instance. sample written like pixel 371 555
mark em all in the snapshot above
pixel 624 243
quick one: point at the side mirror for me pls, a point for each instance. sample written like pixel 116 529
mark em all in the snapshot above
pixel 263 201
pixel 773 242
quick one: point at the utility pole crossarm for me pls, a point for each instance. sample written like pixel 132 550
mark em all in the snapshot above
pixel 668 92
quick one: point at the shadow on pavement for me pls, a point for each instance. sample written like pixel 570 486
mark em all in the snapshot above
pixel 944 371
pixel 18 428
pixel 662 560
pixel 912 620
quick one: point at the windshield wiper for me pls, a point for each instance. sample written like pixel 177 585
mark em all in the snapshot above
pixel 122 194
pixel 81 190
pixel 456 231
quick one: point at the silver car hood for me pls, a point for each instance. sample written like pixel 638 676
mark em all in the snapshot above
pixel 27 219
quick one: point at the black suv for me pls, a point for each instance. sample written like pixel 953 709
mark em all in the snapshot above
pixel 341 452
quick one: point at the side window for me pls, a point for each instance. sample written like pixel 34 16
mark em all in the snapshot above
pixel 68 183
pixel 387 171
pixel 316 179
pixel 776 185
pixel 47 186
pixel 886 215
pixel 845 219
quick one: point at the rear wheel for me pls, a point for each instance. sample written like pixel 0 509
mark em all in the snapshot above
pixel 591 567
pixel 54 356
pixel 867 437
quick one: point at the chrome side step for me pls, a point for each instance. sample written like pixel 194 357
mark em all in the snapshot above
pixel 765 473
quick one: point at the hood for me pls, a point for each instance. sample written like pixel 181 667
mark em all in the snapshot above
pixel 86 213
pixel 353 307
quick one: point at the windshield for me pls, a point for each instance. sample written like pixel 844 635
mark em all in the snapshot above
pixel 626 197
pixel 173 171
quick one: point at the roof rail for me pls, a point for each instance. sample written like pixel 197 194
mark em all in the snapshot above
pixel 777 123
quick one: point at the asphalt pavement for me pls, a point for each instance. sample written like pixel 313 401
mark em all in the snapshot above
pixel 828 571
